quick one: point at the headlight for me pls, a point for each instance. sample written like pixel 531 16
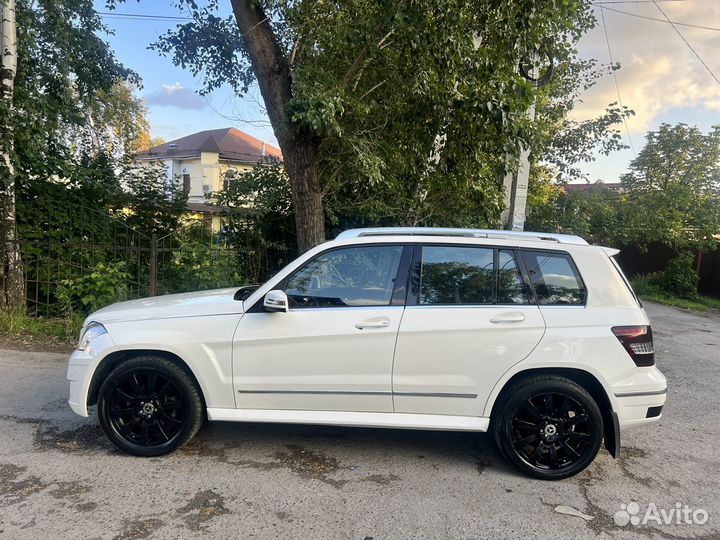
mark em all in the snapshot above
pixel 90 332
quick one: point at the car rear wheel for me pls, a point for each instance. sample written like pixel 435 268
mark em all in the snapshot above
pixel 548 427
pixel 149 406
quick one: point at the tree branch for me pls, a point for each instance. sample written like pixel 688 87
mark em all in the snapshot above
pixel 269 63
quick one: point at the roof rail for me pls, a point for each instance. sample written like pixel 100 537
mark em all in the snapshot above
pixel 467 233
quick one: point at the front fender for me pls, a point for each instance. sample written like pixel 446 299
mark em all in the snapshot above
pixel 203 344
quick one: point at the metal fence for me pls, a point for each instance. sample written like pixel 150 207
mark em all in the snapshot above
pixel 64 242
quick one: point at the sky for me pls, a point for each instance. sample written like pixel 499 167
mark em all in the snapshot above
pixel 660 77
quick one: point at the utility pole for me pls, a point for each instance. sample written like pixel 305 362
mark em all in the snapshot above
pixel 13 282
pixel 537 68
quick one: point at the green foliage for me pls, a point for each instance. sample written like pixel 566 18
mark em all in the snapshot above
pixel 560 143
pixel 648 288
pixel 647 284
pixel 671 196
pixel 104 285
pixel 674 189
pixel 154 203
pixel 259 219
pixel 20 330
pixel 680 277
pixel 678 280
pixel 594 214
pixel 66 73
pixel 413 113
pixel 200 266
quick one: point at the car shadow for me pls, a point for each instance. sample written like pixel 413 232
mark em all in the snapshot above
pixel 254 443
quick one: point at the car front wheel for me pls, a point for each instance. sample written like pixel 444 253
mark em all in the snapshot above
pixel 149 406
pixel 548 427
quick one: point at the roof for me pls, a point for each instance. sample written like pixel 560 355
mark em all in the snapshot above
pixel 471 233
pixel 570 188
pixel 230 143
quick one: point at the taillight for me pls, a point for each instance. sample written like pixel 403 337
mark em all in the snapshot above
pixel 638 342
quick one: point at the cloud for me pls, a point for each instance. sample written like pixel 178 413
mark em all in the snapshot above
pixel 176 95
pixel 659 72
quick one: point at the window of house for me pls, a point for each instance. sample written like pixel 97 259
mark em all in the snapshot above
pixel 356 276
pixel 554 277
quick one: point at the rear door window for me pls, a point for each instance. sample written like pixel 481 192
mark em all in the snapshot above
pixel 555 278
pixel 456 275
pixel 469 275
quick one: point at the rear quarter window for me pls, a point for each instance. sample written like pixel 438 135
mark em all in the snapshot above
pixel 555 278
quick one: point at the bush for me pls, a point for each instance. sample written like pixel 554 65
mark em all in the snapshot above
pixel 105 285
pixel 680 277
pixel 647 284
pixel 202 266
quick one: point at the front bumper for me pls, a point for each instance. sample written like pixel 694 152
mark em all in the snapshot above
pixel 81 366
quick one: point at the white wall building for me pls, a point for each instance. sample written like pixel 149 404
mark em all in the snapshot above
pixel 201 160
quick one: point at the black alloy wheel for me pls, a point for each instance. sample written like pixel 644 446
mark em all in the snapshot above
pixel 549 427
pixel 149 406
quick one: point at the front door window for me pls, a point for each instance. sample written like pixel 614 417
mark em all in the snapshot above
pixel 362 276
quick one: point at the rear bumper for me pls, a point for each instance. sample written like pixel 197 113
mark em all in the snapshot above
pixel 638 398
pixel 639 408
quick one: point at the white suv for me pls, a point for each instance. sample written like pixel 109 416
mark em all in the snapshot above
pixel 535 337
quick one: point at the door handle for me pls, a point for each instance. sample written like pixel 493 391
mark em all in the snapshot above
pixel 510 317
pixel 373 323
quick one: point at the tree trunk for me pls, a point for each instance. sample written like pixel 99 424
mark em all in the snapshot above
pixel 300 149
pixel 300 161
pixel 13 283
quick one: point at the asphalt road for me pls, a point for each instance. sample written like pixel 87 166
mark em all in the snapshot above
pixel 60 478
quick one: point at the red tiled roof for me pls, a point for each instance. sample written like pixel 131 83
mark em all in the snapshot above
pixel 232 144
pixel 569 188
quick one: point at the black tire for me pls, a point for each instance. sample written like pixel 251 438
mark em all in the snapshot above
pixel 548 427
pixel 149 406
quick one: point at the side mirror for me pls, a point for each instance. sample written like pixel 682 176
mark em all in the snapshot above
pixel 276 301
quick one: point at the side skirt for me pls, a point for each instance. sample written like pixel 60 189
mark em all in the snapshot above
pixel 353 419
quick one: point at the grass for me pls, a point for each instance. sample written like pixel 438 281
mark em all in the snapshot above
pixel 647 289
pixel 700 303
pixel 18 330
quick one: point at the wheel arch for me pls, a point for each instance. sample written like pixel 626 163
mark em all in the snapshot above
pixel 114 359
pixel 586 380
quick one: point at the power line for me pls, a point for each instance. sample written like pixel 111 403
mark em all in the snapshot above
pixel 141 16
pixel 617 87
pixel 686 42
pixel 664 21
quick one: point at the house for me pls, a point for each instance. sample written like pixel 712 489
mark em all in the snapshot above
pixel 201 160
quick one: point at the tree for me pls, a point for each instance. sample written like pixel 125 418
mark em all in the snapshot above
pixel 361 95
pixel 116 123
pixel 595 214
pixel 146 141
pixel 560 143
pixel 155 204
pixel 259 218
pixel 13 290
pixel 62 69
pixel 674 187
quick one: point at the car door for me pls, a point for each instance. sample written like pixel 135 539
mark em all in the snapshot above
pixel 469 318
pixel 333 348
